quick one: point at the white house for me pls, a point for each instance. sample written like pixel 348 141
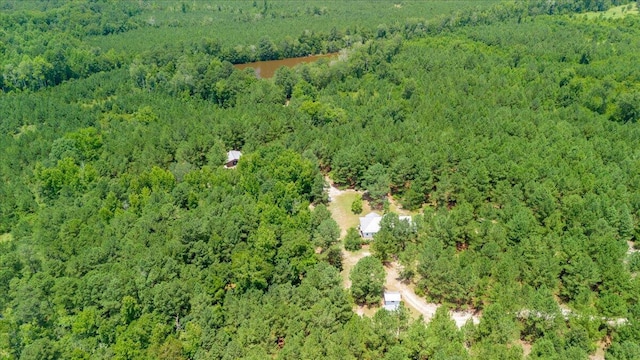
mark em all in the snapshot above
pixel 232 158
pixel 391 300
pixel 370 224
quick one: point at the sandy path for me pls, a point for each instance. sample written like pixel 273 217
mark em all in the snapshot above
pixel 334 192
pixel 632 248
pixel 600 351
pixel 461 317
pixel 349 260
pixel 427 310
pixel 419 304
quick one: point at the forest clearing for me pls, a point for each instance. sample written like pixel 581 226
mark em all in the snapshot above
pixel 615 12
pixel 340 207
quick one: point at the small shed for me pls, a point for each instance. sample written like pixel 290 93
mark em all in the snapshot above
pixel 232 158
pixel 370 225
pixel 392 300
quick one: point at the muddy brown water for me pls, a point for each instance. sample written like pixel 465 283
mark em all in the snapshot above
pixel 266 69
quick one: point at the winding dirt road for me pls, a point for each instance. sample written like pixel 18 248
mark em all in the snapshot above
pixel 393 283
pixel 426 309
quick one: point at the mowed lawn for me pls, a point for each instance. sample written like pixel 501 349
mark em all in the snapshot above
pixel 340 208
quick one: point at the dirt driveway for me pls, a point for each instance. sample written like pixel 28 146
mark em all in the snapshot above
pixel 393 283
pixel 340 208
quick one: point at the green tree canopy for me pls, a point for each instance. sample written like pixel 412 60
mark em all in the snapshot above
pixel 367 281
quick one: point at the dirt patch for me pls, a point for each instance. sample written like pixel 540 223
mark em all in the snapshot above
pixel 349 260
pixel 526 348
pixel 25 129
pixel 632 248
pixel 462 317
pixel 600 351
pixel 335 193
pixel 365 310
pixel 395 207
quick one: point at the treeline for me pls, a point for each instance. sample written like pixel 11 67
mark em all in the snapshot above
pixel 208 78
pixel 309 42
pixel 43 47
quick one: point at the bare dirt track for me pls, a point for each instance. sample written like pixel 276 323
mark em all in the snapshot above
pixel 349 260
pixel 393 283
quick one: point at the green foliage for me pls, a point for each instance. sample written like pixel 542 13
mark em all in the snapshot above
pixel 447 277
pixel 376 181
pixel 413 198
pixel 66 176
pixel 383 246
pixel 627 108
pixel 286 79
pixel 443 339
pixel 333 256
pixel 367 280
pixel 542 317
pixel 497 326
pixel 352 241
pixel 634 262
pixel 512 125
pixel 356 205
pixel 327 233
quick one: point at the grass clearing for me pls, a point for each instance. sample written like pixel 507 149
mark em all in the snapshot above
pixel 340 208
pixel 366 311
pixel 617 12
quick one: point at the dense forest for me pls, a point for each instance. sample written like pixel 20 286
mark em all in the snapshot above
pixel 510 127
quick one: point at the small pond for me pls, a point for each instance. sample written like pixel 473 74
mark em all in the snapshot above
pixel 266 69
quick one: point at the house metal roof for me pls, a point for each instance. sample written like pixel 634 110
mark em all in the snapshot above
pixel 233 155
pixel 392 296
pixel 370 223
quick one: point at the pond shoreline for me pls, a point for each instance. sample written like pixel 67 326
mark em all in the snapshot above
pixel 266 69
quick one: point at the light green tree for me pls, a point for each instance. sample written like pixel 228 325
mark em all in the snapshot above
pixel 352 241
pixel 356 205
